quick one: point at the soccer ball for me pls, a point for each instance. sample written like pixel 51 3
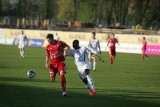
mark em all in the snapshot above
pixel 31 73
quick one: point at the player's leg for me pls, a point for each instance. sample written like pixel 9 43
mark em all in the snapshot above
pixel 22 47
pixel 110 57
pixel 62 70
pixel 94 60
pixel 90 81
pixel 20 50
pixel 23 52
pixel 90 60
pixel 143 53
pixel 147 56
pixel 84 79
pixel 113 55
pixel 94 64
pixel 53 72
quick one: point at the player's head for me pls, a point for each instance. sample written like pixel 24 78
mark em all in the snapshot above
pixel 75 44
pixel 93 34
pixel 49 38
pixel 112 35
pixel 22 32
pixel 144 38
pixel 56 34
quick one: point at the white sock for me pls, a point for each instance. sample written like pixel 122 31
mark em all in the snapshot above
pixel 22 53
pixel 88 86
pixel 94 65
pixel 90 81
pixel 90 64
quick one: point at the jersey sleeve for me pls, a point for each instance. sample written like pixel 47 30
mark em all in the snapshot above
pixel 70 53
pixel 63 44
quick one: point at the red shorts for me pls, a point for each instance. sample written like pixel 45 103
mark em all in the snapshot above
pixel 143 49
pixel 112 51
pixel 57 67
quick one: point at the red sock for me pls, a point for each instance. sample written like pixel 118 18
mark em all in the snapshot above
pixel 63 82
pixel 143 56
pixel 110 59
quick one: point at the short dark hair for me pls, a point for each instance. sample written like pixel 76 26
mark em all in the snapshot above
pixel 76 41
pixel 50 36
pixel 94 33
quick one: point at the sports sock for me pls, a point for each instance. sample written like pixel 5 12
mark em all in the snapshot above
pixel 143 56
pixel 20 53
pixel 23 53
pixel 94 65
pixel 90 64
pixel 90 81
pixel 63 82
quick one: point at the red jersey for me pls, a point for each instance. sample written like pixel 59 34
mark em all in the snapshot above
pixel 144 45
pixel 112 42
pixel 56 52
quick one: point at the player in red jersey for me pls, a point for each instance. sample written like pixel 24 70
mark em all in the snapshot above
pixel 112 49
pixel 55 59
pixel 144 47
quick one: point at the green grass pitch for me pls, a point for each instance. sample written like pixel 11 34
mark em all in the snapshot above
pixel 129 82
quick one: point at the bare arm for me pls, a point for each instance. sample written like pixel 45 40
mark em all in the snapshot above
pixel 47 61
pixel 67 48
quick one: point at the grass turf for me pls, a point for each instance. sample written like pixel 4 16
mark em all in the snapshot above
pixel 129 82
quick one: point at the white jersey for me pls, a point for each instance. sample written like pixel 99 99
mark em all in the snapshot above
pixel 56 38
pixel 21 40
pixel 94 45
pixel 80 58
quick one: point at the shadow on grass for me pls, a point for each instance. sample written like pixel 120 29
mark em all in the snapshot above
pixel 27 96
pixel 14 79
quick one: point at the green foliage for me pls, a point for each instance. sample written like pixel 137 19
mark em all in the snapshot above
pixel 65 10
pixel 105 12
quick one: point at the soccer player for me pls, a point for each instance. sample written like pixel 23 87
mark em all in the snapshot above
pixel 56 37
pixel 144 47
pixel 83 66
pixel 21 43
pixel 55 54
pixel 112 47
pixel 94 46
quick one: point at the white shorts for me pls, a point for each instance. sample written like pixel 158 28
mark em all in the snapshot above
pixel 81 69
pixel 94 51
pixel 21 45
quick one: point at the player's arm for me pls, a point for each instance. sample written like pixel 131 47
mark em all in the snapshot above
pixel 108 43
pixel 65 48
pixel 97 57
pixel 47 59
pixel 69 53
pixel 118 43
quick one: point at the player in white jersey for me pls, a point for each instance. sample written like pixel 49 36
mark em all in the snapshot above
pixel 56 37
pixel 21 42
pixel 83 66
pixel 94 46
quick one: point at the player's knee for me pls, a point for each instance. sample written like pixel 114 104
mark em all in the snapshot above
pixel 51 73
pixel 62 72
